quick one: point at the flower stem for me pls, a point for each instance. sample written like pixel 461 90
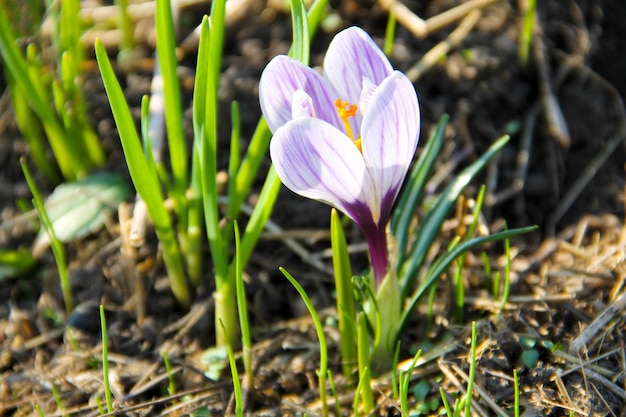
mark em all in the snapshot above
pixel 379 253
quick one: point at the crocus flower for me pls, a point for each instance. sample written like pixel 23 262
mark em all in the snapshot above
pixel 346 137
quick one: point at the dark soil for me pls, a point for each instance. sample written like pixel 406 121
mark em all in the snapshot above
pixel 564 275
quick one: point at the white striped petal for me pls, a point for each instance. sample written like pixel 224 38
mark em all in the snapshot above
pixel 317 161
pixel 352 55
pixel 390 133
pixel 281 78
pixel 302 105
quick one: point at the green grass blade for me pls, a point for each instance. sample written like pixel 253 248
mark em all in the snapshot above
pixel 147 184
pixel 431 224
pixel 70 29
pixel 446 260
pixel 234 373
pixel 208 154
pixel 195 222
pixel 516 403
pixel 414 190
pixel 242 307
pixel 257 149
pixel 472 372
pixel 32 130
pixel 390 33
pixel 506 291
pixel 301 42
pixel 262 212
pixel 145 135
pixel 200 82
pixel 323 370
pixel 526 33
pixel 404 381
pixel 15 63
pixel 446 404
pixel 126 26
pixel 196 213
pixel 345 295
pixel 57 247
pixel 105 360
pixel 166 56
pixel 234 160
pixel 364 361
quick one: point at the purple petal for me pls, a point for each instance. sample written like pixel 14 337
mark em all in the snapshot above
pixel 316 160
pixel 390 133
pixel 282 77
pixel 352 55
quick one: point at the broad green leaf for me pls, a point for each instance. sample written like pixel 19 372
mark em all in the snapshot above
pixel 78 208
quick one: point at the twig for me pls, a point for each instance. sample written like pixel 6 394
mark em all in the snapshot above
pixel 485 397
pixel 442 48
pixel 598 324
pixel 585 177
pixel 557 126
pixel 421 28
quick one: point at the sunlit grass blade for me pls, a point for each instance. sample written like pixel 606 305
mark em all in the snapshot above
pixel 431 224
pixel 526 32
pixel 242 306
pixel 126 27
pixel 405 379
pixel 458 281
pixel 516 411
pixel 345 295
pixel 70 29
pixel 301 43
pixel 323 370
pixel 260 214
pixel 147 184
pixel 446 260
pixel 446 404
pixel 15 63
pixel 472 372
pixel 364 361
pixel 32 131
pixel 234 373
pixel 146 140
pixel 166 56
pixel 412 194
pixel 506 290
pixel 57 247
pixel 234 160
pixel 390 33
pixel 105 360
pixel 225 293
pixel 205 169
pixel 171 383
pixel 196 202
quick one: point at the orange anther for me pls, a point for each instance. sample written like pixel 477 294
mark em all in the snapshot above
pixel 345 111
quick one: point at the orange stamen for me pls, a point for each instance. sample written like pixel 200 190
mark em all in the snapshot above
pixel 358 144
pixel 345 111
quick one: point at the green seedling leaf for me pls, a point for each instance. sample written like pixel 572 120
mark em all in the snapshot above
pixel 78 208
pixel 530 358
pixel 527 342
pixel 421 390
pixel 216 360
pixel 15 263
